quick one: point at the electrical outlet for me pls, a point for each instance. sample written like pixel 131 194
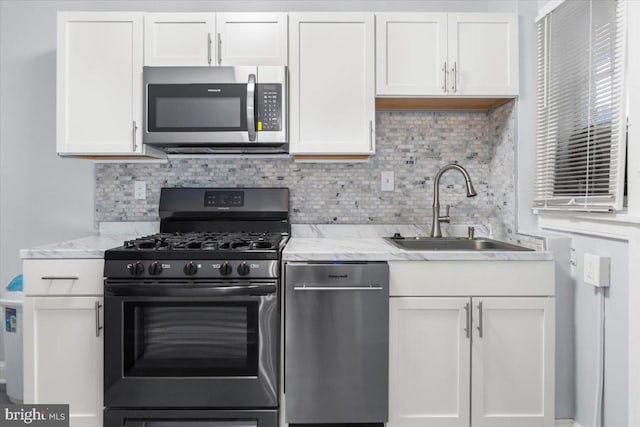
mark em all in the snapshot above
pixel 596 270
pixel 139 190
pixel 386 181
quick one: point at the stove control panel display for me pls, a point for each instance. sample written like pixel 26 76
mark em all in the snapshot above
pixel 223 199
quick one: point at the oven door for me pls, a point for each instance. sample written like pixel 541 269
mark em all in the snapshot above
pixel 190 418
pixel 195 344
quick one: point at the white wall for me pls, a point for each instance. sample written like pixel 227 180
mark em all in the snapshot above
pixel 587 309
pixel 42 198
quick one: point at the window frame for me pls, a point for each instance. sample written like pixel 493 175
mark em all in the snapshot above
pixel 546 200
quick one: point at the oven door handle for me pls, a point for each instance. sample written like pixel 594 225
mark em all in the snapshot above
pixel 185 290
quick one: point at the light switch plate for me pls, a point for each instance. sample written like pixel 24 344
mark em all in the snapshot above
pixel 596 270
pixel 386 181
pixel 140 190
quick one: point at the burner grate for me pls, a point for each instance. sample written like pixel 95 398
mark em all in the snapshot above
pixel 207 241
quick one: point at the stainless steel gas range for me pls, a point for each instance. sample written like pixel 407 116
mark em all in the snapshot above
pixel 192 313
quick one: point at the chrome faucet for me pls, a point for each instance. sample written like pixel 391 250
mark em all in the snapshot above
pixel 437 219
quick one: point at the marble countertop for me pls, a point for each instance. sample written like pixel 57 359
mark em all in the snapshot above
pixel 309 243
pixel 351 242
pixel 377 249
pixel 86 247
pixel 111 235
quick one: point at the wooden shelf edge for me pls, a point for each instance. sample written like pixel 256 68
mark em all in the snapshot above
pixel 123 158
pixel 463 104
pixel 331 157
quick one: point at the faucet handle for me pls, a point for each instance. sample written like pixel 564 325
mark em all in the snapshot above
pixel 446 218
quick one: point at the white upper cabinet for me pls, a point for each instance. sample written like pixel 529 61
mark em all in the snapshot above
pixel 411 53
pixel 174 39
pixel 483 54
pixel 251 39
pixel 99 83
pixel 332 84
pixel 447 54
pixel 210 39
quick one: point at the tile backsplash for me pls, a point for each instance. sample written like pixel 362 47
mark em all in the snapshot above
pixel 412 144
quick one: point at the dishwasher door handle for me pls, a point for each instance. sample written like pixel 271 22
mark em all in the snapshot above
pixel 338 288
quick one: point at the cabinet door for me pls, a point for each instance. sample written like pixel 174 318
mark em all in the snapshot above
pixel 483 54
pixel 332 83
pixel 411 53
pixel 513 362
pixel 99 83
pixel 174 39
pixel 63 355
pixel 251 38
pixel 429 362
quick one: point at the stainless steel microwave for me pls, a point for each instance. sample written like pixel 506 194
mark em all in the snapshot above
pixel 201 110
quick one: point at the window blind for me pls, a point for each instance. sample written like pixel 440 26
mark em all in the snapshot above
pixel 580 108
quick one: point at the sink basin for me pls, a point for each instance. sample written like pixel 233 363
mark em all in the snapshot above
pixel 453 244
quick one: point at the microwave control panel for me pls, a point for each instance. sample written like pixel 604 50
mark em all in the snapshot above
pixel 269 107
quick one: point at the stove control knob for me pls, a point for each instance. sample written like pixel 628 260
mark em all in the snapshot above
pixel 225 269
pixel 190 269
pixel 243 269
pixel 155 268
pixel 136 268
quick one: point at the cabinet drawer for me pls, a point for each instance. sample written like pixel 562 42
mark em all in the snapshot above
pixel 63 277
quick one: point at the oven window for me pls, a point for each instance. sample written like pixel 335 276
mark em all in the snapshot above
pixel 190 339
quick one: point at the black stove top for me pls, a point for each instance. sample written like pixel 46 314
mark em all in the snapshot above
pixel 208 241
pixel 209 233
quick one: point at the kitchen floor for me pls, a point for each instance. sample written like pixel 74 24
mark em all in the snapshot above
pixel 3 394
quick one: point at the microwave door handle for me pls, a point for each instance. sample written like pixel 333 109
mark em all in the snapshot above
pixel 251 118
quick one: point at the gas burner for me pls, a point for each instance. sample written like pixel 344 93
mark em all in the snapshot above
pixel 210 245
pixel 261 244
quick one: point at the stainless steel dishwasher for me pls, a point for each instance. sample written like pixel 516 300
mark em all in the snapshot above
pixel 336 342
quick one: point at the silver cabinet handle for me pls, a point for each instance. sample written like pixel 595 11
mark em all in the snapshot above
pixel 98 327
pixel 251 118
pixel 467 327
pixel 371 135
pixel 454 86
pixel 59 277
pixel 135 130
pixel 480 319
pixel 445 72
pixel 219 49
pixel 338 288
pixel 209 48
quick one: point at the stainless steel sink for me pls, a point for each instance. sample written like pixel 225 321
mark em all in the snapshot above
pixel 453 244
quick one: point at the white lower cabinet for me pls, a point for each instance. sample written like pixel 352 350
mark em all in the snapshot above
pixel 512 362
pixel 428 362
pixel 63 340
pixel 460 360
